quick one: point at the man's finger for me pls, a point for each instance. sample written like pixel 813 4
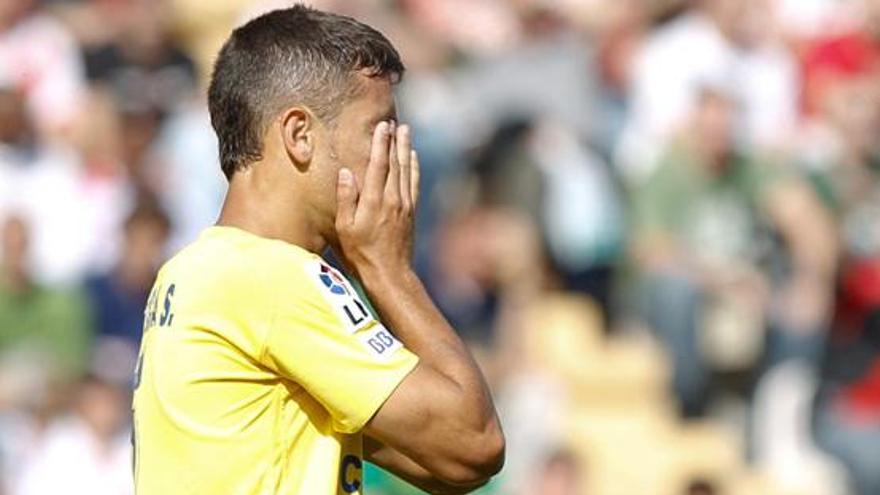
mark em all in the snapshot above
pixel 404 147
pixel 392 183
pixel 414 177
pixel 346 197
pixel 377 169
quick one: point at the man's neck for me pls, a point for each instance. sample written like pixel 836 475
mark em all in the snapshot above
pixel 267 213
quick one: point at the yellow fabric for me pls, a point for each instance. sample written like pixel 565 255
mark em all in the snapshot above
pixel 258 367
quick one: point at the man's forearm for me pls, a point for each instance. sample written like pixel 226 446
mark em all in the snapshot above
pixel 441 414
pixel 403 303
pixel 410 471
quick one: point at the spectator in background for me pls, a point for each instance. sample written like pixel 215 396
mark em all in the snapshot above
pixel 543 171
pixel 488 260
pixel 70 195
pixel 548 73
pixel 16 133
pixel 848 405
pixel 30 313
pixel 87 451
pixel 29 401
pixel 718 41
pixel 841 154
pixel 705 222
pixel 843 161
pixel 140 76
pixel 142 67
pixel 49 323
pixel 840 54
pixel 118 296
pixel 581 212
pixel 39 59
pixel 138 130
pixel 618 44
pixel 148 77
pixel 16 143
pixel 845 169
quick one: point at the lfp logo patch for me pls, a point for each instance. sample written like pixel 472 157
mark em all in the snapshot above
pixel 337 291
pixel 332 281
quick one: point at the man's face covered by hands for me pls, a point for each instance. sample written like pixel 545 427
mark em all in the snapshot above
pixel 346 141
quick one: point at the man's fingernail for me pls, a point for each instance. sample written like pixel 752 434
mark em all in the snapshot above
pixel 345 176
pixel 382 127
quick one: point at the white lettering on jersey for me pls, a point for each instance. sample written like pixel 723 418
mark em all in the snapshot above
pixel 380 342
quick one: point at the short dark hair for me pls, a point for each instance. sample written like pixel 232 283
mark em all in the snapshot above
pixel 294 55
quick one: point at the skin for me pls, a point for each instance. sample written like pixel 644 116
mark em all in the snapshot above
pixel 352 184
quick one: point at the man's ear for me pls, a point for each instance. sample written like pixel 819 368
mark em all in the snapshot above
pixel 297 133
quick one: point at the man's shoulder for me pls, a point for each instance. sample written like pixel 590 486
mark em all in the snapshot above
pixel 232 265
pixel 226 252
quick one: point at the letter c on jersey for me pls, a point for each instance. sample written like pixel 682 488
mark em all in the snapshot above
pixel 355 483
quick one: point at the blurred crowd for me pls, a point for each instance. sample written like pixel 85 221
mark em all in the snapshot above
pixel 656 223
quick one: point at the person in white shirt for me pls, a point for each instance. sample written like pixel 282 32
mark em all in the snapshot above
pixel 87 452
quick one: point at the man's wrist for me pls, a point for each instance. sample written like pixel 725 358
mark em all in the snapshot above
pixel 379 279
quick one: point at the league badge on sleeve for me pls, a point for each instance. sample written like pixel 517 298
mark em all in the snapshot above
pixel 333 281
pixel 342 297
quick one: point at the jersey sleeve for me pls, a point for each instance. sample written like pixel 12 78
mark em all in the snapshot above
pixel 322 336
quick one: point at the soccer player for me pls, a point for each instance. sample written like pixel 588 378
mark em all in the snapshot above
pixel 261 370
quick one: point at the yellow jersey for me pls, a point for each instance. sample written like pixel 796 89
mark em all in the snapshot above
pixel 258 367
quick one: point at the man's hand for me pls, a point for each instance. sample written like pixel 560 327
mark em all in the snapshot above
pixel 445 396
pixel 375 223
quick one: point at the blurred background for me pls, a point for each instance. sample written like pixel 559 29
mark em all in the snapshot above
pixel 656 222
